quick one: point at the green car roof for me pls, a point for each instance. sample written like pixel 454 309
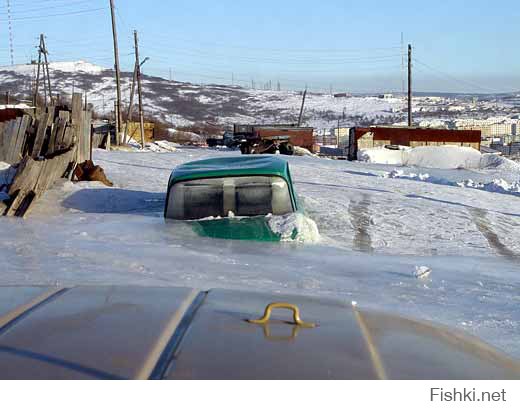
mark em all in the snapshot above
pixel 245 165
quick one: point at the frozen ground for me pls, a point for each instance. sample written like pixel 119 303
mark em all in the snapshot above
pixel 377 232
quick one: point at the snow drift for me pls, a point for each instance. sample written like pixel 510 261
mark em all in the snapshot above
pixel 440 157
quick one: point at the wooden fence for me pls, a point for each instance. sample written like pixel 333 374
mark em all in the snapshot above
pixel 41 132
pixel 47 143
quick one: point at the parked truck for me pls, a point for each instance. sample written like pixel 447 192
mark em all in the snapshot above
pixel 270 138
pixel 228 139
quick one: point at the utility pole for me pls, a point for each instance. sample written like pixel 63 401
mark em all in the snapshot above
pixel 410 120
pixel 37 85
pixel 118 74
pixel 337 135
pixel 301 109
pixel 139 88
pixel 131 106
pixel 46 66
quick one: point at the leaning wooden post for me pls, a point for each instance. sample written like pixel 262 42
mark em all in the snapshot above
pixel 139 89
pixel 77 122
pixel 130 107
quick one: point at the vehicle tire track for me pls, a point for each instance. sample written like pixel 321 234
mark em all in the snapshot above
pixel 481 221
pixel 360 218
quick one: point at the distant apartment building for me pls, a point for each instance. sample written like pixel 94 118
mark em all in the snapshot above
pixel 505 128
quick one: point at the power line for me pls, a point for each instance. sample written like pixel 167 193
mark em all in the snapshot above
pixel 455 79
pixel 17 11
pixel 277 49
pixel 71 13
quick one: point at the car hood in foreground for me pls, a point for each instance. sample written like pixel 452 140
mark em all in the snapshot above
pixel 180 333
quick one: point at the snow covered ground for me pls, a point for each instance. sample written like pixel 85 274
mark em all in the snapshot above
pixel 379 234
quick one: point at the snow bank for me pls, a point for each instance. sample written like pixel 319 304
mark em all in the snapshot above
pixel 303 152
pixel 294 227
pixel 400 174
pixel 382 156
pixel 493 161
pixel 498 185
pixel 162 146
pixel 443 157
pixel 440 157
pixel 155 146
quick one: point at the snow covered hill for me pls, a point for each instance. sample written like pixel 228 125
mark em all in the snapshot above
pixel 184 103
pixel 181 103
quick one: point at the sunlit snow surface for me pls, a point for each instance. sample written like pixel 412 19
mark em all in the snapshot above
pixel 374 232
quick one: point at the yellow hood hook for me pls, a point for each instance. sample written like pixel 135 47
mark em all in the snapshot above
pixel 281 305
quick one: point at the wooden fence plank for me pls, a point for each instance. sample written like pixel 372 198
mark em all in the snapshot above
pixel 52 139
pixel 20 139
pixel 40 135
pixel 33 178
pixel 68 136
pixel 46 118
pixel 61 125
pixel 77 119
pixel 64 115
pixel 85 136
pixel 22 188
pixel 11 154
pixel 9 130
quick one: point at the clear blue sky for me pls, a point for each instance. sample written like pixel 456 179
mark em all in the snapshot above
pixel 351 45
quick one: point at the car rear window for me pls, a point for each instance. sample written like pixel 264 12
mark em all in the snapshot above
pixel 243 196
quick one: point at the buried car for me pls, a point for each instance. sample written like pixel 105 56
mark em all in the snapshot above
pixel 113 332
pixel 232 197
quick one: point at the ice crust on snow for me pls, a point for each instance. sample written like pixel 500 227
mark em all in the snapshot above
pixel 400 224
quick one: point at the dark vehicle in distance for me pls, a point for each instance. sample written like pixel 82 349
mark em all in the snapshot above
pixel 270 138
pixel 228 140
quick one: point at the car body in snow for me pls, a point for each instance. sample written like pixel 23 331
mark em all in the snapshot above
pixel 232 197
pixel 123 332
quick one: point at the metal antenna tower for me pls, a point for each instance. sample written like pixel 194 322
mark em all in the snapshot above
pixel 11 48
